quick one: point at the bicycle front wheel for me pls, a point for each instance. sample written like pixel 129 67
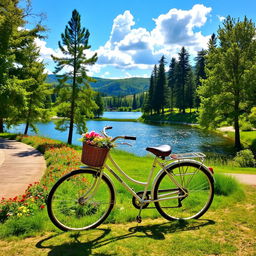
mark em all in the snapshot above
pixel 74 203
pixel 196 191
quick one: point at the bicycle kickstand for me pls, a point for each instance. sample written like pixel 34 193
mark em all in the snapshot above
pixel 138 217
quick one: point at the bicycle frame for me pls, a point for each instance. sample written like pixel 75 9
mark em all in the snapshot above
pixel 156 162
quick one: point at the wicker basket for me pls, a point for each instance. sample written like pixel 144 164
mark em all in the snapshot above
pixel 94 156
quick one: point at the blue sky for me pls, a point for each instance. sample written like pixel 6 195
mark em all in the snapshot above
pixel 131 36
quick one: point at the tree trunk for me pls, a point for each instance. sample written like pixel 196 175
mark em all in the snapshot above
pixel 28 117
pixel 71 124
pixel 1 125
pixel 26 128
pixel 236 124
pixel 237 135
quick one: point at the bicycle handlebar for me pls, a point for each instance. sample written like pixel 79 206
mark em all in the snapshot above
pixel 118 137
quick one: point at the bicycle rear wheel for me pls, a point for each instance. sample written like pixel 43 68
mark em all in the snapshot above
pixel 195 180
pixel 74 204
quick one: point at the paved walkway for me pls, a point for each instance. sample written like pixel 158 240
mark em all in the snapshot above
pixel 20 165
pixel 249 179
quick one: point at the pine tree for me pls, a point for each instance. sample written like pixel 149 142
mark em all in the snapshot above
pixel 199 73
pixel 134 102
pixel 161 88
pixel 98 100
pixel 183 69
pixel 32 70
pixel 190 89
pixel 154 98
pixel 172 80
pixel 75 101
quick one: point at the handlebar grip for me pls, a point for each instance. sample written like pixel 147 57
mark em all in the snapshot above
pixel 108 127
pixel 129 138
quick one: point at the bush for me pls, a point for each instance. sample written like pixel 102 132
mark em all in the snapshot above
pixel 252 116
pixel 245 126
pixel 245 158
pixel 226 185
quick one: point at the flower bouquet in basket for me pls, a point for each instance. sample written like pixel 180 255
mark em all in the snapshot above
pixel 95 149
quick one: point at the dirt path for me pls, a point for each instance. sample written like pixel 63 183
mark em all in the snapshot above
pixel 20 165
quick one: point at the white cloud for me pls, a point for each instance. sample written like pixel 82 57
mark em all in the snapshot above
pixel 221 18
pixel 130 47
pixel 121 27
pixel 138 48
pixel 176 26
pixel 45 51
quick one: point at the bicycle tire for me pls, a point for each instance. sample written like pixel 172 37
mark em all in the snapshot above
pixel 190 207
pixel 68 210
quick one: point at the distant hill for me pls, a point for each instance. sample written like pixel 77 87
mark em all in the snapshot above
pixel 115 87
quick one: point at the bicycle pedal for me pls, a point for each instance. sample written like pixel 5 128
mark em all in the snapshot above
pixel 139 219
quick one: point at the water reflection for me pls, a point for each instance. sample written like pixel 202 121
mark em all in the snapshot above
pixel 182 138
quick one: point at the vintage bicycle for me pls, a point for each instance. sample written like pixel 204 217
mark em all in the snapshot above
pixel 182 189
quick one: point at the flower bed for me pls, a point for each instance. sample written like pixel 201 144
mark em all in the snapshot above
pixel 60 160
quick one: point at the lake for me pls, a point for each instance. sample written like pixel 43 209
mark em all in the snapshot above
pixel 122 115
pixel 182 138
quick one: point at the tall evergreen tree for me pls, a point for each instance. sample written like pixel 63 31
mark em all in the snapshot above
pixel 75 101
pixel 32 70
pixel 161 87
pixel 98 100
pixel 134 102
pixel 172 80
pixel 154 84
pixel 183 71
pixel 190 89
pixel 199 73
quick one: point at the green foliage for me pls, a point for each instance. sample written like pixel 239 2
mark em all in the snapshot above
pixel 227 185
pixel 252 116
pixel 75 101
pixel 99 102
pixel 113 87
pixel 199 73
pixel 245 158
pixel 183 84
pixel 245 125
pixel 229 89
pixel 37 90
pixel 13 49
pixel 172 80
pixel 20 226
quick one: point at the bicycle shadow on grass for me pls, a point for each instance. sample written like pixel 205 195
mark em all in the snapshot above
pixel 82 243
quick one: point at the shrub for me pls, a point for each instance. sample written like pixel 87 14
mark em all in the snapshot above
pixel 245 158
pixel 226 185
pixel 245 126
pixel 252 116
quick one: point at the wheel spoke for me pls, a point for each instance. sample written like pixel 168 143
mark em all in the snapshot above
pixel 69 210
pixel 196 185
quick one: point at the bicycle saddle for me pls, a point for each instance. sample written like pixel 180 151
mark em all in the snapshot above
pixel 161 151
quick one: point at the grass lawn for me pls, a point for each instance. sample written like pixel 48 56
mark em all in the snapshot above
pixel 227 231
pixel 248 138
pixel 228 228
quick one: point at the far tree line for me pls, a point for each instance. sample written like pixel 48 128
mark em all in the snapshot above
pixel 177 86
